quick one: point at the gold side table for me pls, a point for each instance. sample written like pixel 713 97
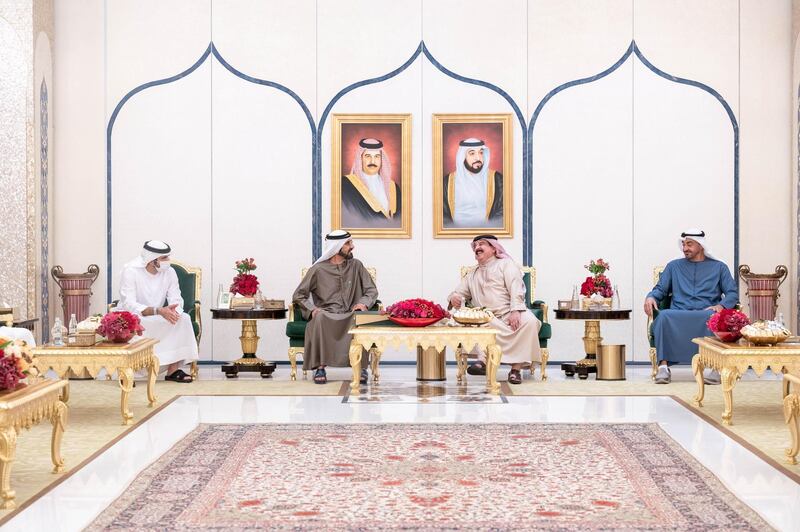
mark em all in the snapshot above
pixel 791 414
pixel 249 339
pixel 732 361
pixel 376 338
pixel 122 358
pixel 21 408
pixel 591 337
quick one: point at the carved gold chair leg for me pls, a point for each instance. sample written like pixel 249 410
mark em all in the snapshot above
pixel 194 371
pixel 293 362
pixel 654 363
pixel 545 359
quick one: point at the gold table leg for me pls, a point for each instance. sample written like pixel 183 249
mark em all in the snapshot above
pixel 355 363
pixel 697 371
pixel 791 413
pixel 591 341
pixel 493 356
pixel 375 360
pixel 65 393
pixel 543 364
pixel 152 373
pixel 729 378
pixel 59 421
pixel 8 448
pixel 461 364
pixel 126 385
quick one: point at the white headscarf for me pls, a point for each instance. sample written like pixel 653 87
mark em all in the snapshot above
pixel 699 236
pixel 333 243
pixel 470 198
pixel 151 250
pixel 492 241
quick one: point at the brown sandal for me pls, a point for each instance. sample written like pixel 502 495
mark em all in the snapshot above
pixel 514 377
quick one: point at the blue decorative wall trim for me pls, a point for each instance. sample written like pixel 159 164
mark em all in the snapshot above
pixel 632 49
pixel 316 136
pixel 797 176
pixel 44 119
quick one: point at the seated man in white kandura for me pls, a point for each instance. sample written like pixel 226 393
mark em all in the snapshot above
pixel 496 283
pixel 147 283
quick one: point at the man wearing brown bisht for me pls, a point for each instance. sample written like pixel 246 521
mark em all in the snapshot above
pixel 333 288
pixel 496 283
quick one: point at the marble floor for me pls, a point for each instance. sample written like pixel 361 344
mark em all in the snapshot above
pixel 73 503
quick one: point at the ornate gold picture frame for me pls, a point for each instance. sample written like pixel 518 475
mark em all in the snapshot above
pixel 371 175
pixel 472 175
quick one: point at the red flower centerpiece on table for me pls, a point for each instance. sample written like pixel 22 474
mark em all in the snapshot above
pixel 727 324
pixel 16 363
pixel 597 283
pixel 120 327
pixel 415 312
pixel 245 283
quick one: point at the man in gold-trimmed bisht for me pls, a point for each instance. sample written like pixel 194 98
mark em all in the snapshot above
pixel 473 193
pixel 496 284
pixel 148 282
pixel 369 195
pixel 335 287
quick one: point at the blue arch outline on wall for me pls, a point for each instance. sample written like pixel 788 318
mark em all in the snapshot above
pixel 633 48
pixel 422 49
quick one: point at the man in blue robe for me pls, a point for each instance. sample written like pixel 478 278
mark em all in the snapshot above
pixel 699 285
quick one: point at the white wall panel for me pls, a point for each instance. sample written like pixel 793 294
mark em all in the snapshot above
pixel 694 40
pixel 161 180
pixel 683 169
pixel 150 39
pixel 573 40
pixel 766 142
pixel 260 202
pixel 273 40
pixel 582 200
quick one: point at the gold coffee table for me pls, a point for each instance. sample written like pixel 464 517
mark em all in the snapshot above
pixel 375 338
pixel 123 358
pixel 21 408
pixel 733 359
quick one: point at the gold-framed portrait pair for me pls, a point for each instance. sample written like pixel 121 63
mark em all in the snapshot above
pixel 472 175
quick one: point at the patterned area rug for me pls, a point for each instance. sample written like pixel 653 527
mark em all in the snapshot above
pixel 434 477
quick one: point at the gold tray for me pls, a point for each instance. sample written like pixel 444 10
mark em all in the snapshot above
pixel 765 340
pixel 473 321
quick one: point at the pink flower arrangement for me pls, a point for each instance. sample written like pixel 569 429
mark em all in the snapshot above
pixel 416 308
pixel 245 283
pixel 727 320
pixel 597 283
pixel 120 326
pixel 15 363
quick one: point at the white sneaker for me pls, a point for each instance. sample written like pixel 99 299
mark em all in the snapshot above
pixel 711 376
pixel 664 375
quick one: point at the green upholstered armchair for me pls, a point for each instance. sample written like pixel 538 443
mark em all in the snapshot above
pixel 539 309
pixel 296 328
pixel 189 281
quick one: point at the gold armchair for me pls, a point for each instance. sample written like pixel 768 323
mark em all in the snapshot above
pixel 538 308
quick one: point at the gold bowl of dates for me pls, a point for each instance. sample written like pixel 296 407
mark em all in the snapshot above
pixel 765 333
pixel 472 316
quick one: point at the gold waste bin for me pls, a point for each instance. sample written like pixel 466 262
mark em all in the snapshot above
pixel 430 364
pixel 611 363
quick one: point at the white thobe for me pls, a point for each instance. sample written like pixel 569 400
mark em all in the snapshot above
pixel 470 200
pixel 140 289
pixel 498 286
pixel 377 189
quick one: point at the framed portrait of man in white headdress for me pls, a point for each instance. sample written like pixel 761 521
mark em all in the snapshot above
pixel 472 175
pixel 371 175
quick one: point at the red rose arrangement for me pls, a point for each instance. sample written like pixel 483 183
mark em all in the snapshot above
pixel 727 320
pixel 416 308
pixel 245 283
pixel 597 283
pixel 120 326
pixel 15 362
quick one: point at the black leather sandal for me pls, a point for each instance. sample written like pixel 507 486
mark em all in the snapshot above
pixel 178 376
pixel 364 376
pixel 478 368
pixel 320 377
pixel 514 377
